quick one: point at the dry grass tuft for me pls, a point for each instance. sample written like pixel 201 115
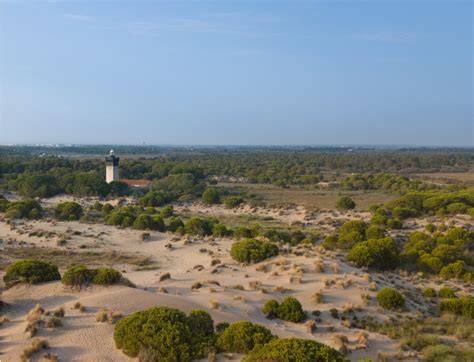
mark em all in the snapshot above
pixel 310 326
pixel 279 289
pixel 319 266
pixel 37 344
pixel 81 307
pixel 51 357
pixel 53 322
pixel 213 304
pixel 196 285
pixel 163 290
pixel 362 339
pixel 3 319
pixel 59 312
pixel 318 297
pixel 335 268
pixel 254 285
pixel 35 314
pixel 107 315
pixel 164 277
pixel 373 286
pixel 240 298
pixel 296 279
pixel 341 343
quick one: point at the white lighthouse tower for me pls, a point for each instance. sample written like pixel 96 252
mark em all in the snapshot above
pixel 111 168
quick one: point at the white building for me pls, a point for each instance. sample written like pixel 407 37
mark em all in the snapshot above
pixel 111 168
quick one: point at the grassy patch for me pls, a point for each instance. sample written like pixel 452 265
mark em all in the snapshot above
pixel 66 258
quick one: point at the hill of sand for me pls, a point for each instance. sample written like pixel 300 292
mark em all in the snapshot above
pixel 229 291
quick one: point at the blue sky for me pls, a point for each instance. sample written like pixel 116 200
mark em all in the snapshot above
pixel 237 72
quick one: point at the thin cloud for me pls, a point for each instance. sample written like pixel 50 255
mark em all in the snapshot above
pixel 221 23
pixel 384 37
pixel 79 17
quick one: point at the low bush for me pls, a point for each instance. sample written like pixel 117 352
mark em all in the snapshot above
pixel 290 309
pixel 80 274
pixel 270 308
pixel 461 306
pixel 233 201
pixel 446 292
pixel 252 250
pixel 31 271
pixel 165 334
pixel 107 276
pixel 389 298
pixel 345 203
pixel 25 208
pixel 242 337
pixel 429 293
pixel 294 349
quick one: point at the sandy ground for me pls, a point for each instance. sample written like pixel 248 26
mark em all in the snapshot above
pixel 188 261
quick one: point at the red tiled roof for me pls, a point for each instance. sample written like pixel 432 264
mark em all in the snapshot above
pixel 137 183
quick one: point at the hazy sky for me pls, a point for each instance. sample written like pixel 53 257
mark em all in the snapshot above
pixel 237 72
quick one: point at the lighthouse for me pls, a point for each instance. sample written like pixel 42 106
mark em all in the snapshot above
pixel 111 167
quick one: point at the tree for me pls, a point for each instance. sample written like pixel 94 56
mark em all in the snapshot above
pixel 68 210
pixel 345 203
pixel 39 186
pixel 377 253
pixel 152 198
pixel 119 188
pixel 211 196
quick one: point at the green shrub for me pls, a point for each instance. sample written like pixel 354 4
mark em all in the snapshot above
pixel 211 196
pixel 446 292
pixel 345 203
pixel 152 198
pixel 453 270
pixel 292 350
pixel 164 334
pixel 78 275
pixel 203 338
pixel 68 210
pixel 219 230
pixel 270 308
pixel 389 298
pixel 252 250
pixel 174 223
pixel 242 337
pixel 461 306
pixel 233 201
pixel 198 226
pixel 440 352
pixel 429 293
pixel 290 309
pixel 377 253
pixel 107 276
pixel 31 271
pixel 26 208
